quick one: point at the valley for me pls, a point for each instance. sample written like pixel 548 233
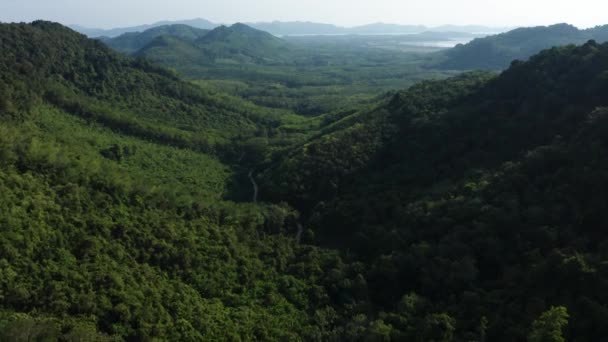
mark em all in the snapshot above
pixel 193 182
pixel 309 75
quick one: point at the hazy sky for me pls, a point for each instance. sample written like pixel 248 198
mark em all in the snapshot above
pixel 117 13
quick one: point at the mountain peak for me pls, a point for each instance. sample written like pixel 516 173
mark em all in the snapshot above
pixel 241 26
pixel 237 31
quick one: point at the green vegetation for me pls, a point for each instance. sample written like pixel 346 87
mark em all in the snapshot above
pixel 466 209
pixel 306 75
pixel 112 213
pixel 133 42
pixel 548 328
pixel 497 52
pixel 231 45
pixel 480 195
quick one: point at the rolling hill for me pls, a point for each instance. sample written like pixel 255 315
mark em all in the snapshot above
pixel 132 42
pixel 242 41
pixel 173 51
pixel 498 51
pixel 238 43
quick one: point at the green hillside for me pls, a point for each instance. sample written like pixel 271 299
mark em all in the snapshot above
pixel 498 51
pixel 240 41
pixel 113 223
pixel 479 198
pixel 173 51
pixel 134 41
pixel 236 44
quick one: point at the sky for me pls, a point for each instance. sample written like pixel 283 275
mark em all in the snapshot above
pixel 122 13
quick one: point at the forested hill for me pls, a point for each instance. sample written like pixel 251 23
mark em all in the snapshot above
pixel 244 40
pixel 498 51
pixel 132 42
pixel 112 220
pixel 48 63
pixel 480 197
pixel 238 43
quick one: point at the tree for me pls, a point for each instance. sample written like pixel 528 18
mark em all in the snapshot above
pixel 548 327
pixel 378 331
pixel 20 327
pixel 439 328
pixel 483 328
pixel 5 103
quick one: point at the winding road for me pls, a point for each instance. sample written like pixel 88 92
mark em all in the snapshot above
pixel 255 187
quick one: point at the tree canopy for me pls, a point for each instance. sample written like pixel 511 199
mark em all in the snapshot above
pixel 466 209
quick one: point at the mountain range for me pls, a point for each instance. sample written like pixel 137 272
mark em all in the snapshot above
pixel 174 44
pixel 299 28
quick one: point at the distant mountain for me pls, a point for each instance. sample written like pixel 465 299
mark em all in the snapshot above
pixel 599 33
pixel 382 28
pixel 284 28
pixel 133 41
pixel 237 43
pixel 310 28
pixel 281 28
pixel 471 29
pixel 95 32
pixel 498 51
pixel 242 39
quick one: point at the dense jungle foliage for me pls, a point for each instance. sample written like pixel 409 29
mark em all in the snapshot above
pixel 112 213
pixel 465 209
pixel 483 196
